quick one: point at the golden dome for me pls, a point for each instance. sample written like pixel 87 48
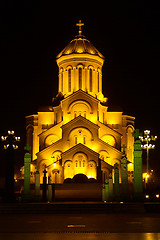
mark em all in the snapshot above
pixel 80 45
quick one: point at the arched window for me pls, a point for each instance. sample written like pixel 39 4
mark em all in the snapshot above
pixel 80 78
pixel 90 80
pixel 69 80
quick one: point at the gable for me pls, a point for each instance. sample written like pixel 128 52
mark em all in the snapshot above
pixel 79 121
pixel 79 148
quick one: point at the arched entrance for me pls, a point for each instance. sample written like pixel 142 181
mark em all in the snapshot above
pixel 80 178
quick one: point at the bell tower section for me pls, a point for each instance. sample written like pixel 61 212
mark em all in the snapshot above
pixel 80 67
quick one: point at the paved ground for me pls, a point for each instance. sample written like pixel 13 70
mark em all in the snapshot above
pixel 111 222
pixel 81 236
pixel 87 226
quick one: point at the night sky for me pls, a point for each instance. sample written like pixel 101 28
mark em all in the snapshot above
pixel 126 33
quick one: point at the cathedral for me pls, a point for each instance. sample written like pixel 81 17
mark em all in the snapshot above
pixel 78 137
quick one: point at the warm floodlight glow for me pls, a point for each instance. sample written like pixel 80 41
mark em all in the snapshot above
pixel 10 140
pixel 147 131
pixel 147 139
pixel 147 196
pixel 157 195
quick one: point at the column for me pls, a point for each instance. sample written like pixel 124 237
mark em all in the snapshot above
pixel 124 175
pixel 138 187
pixel 116 181
pixel 44 197
pixel 110 188
pixel 27 162
pixel 94 85
pixel 37 185
pixel 49 190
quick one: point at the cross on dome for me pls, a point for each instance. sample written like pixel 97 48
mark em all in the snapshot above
pixel 80 24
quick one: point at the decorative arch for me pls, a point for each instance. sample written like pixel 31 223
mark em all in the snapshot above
pixel 130 142
pixel 80 65
pixel 104 155
pixel 69 67
pixel 68 169
pixel 42 163
pixel 109 139
pixel 56 155
pixel 80 160
pixel 50 139
pixel 80 106
pixel 92 169
pixel 90 67
pixel 130 127
pixel 81 135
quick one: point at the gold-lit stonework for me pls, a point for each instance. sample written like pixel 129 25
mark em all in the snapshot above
pixel 78 134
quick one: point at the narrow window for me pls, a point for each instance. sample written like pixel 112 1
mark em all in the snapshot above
pixel 75 139
pixel 79 163
pixel 84 140
pixel 76 163
pixel 80 78
pixel 83 163
pixel 90 80
pixel 75 114
pixel 98 81
pixel 55 120
pixel 62 81
pixel 69 80
pixel 84 114
pixel 103 117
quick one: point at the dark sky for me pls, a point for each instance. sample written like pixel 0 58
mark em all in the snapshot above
pixel 33 33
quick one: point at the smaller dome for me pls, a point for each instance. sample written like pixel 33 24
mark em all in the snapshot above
pixel 80 45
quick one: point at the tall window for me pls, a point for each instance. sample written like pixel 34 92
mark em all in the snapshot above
pixel 90 80
pixel 98 81
pixel 84 139
pixel 55 120
pixel 80 78
pixel 69 80
pixel 62 81
pixel 75 139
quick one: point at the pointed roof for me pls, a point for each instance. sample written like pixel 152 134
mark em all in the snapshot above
pixel 80 147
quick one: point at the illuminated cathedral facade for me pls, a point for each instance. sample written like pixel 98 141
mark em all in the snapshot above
pixel 78 135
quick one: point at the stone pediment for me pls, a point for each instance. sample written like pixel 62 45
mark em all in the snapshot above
pixel 80 95
pixel 80 122
pixel 79 148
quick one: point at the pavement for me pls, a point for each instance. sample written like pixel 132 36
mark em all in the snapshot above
pixel 77 225
pixel 81 236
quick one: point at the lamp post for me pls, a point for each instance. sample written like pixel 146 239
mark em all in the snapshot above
pixel 147 139
pixel 10 144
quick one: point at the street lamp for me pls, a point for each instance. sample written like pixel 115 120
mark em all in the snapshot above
pixel 10 143
pixel 147 139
